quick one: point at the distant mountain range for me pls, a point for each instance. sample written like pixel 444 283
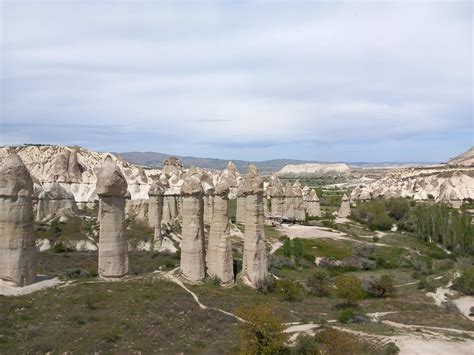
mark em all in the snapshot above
pixel 155 159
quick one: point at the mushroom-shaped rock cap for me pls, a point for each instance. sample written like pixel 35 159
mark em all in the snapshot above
pixel 192 183
pixel 225 182
pixel 58 192
pixel 110 180
pixel 232 168
pixel 157 188
pixel 253 181
pixel 14 176
pixel 206 183
pixel 345 198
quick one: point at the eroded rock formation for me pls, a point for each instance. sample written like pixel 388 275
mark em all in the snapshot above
pixel 312 204
pixel 155 211
pixel 240 209
pixel 18 254
pixel 193 258
pixel 298 203
pixel 255 268
pixel 289 202
pixel 219 255
pixel 345 209
pixel 55 201
pixel 113 246
pixel 278 198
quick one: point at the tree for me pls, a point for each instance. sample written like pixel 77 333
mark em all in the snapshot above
pixel 287 248
pixel 349 288
pixel 298 247
pixel 318 284
pixel 381 288
pixel 262 332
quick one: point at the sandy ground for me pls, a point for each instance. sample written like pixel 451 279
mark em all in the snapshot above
pixel 310 232
pixel 411 345
pixel 42 283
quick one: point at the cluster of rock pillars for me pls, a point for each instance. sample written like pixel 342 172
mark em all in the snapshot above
pixel 18 252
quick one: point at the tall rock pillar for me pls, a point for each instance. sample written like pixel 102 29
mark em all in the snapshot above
pixel 113 245
pixel 240 209
pixel 255 268
pixel 193 258
pixel 18 254
pixel 219 250
pixel 155 212
pixel 345 209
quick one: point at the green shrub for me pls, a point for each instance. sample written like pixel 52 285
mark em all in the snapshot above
pixel 350 288
pixel 262 331
pixel 351 315
pixel 465 283
pixel 291 290
pixel 382 222
pixel 287 248
pixel 60 248
pixel 318 284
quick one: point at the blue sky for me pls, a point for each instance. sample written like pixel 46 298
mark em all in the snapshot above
pixel 345 81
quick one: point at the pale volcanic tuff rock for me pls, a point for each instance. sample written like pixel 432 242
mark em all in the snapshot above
pixel 56 201
pixel 193 258
pixel 289 202
pixel 312 203
pixel 314 170
pixel 113 246
pixel 76 170
pixel 464 159
pixel 255 265
pixel 18 254
pixel 240 209
pixel 219 255
pixel 277 194
pixel 298 203
pixel 345 209
pixel 155 211
pixel 420 184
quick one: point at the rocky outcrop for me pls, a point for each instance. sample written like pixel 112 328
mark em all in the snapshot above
pixel 18 254
pixel 278 198
pixel 240 209
pixel 155 211
pixel 314 170
pixel 172 165
pixel 345 209
pixel 289 202
pixel 193 257
pixel 312 203
pixel 113 246
pixel 55 201
pixel 254 268
pixel 298 203
pixel 219 251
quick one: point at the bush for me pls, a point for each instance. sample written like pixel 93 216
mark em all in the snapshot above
pixel 290 289
pixel 381 288
pixel 363 250
pixel 318 284
pixel 465 283
pixel 287 248
pixel 262 333
pixel 382 222
pixel 60 248
pixel 307 345
pixel 349 288
pixel 351 315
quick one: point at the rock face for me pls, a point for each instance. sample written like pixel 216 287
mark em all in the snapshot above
pixel 18 254
pixel 193 258
pixel 314 170
pixel 289 202
pixel 172 165
pixel 312 204
pixel 277 194
pixel 155 211
pixel 52 201
pixel 298 203
pixel 464 159
pixel 345 209
pixel 219 251
pixel 240 210
pixel 254 268
pixel 113 246
pixel 76 170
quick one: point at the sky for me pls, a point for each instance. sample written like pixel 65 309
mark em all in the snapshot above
pixel 331 81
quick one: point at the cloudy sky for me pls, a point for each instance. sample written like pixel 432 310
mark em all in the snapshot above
pixel 348 81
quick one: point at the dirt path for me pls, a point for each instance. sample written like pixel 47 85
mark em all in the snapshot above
pixel 42 283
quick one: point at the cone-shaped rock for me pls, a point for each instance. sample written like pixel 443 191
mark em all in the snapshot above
pixel 113 246
pixel 278 198
pixel 298 203
pixel 345 209
pixel 219 255
pixel 289 202
pixel 254 269
pixel 17 244
pixel 312 204
pixel 193 256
